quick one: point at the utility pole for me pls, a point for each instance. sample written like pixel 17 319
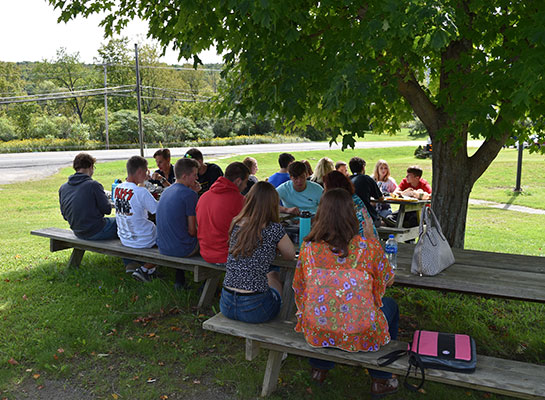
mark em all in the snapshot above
pixel 106 107
pixel 519 166
pixel 140 131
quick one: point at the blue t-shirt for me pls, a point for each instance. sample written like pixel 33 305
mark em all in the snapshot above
pixel 307 200
pixel 176 204
pixel 279 178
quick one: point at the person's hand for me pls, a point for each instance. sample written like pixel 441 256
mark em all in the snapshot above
pixel 196 186
pixel 293 210
pixel 409 192
pixel 368 231
pixel 156 176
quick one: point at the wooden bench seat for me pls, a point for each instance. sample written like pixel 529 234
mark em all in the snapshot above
pixel 400 234
pixel 61 239
pixel 513 378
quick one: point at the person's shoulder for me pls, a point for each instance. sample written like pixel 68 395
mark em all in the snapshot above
pixel 214 167
pixel 316 187
pixel 284 186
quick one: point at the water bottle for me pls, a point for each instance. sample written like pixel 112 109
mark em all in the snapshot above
pixel 114 185
pixel 391 251
pixel 304 225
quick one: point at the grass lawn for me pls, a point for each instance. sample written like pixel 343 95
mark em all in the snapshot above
pixel 98 330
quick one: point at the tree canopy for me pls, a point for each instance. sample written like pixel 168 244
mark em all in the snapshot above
pixel 469 68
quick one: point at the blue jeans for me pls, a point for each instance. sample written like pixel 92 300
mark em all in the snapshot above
pixel 391 312
pixel 108 232
pixel 253 308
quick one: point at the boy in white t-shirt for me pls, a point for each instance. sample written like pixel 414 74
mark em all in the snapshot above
pixel 132 204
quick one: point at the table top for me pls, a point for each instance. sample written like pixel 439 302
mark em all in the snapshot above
pixel 405 200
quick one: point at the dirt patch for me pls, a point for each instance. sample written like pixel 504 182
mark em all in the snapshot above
pixel 50 389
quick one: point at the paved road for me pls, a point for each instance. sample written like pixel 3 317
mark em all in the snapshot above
pixel 25 166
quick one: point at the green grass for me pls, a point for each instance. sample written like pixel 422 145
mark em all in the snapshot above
pixel 102 331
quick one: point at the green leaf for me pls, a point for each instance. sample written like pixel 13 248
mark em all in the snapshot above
pixel 439 39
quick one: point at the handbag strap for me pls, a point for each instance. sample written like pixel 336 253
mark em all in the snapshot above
pixel 416 361
pixel 389 358
pixel 436 222
pixel 423 220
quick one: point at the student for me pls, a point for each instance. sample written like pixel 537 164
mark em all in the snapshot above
pixel 83 202
pixel 387 185
pixel 342 167
pixel 132 205
pixel 164 175
pixel 251 291
pixel 413 185
pixel 339 285
pixel 208 172
pixel 278 178
pixel 251 164
pixel 325 166
pixel 298 194
pixel 365 187
pixel 176 216
pixel 216 209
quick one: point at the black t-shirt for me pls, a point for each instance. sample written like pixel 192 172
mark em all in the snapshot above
pixel 170 178
pixel 366 187
pixel 206 180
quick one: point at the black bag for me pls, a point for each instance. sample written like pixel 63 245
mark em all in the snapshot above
pixel 436 350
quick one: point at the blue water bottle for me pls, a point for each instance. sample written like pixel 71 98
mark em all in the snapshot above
pixel 114 185
pixel 304 225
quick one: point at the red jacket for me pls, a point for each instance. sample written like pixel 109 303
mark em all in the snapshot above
pixel 215 210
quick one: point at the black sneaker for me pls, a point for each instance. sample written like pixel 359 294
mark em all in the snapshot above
pixel 131 267
pixel 142 276
pixel 390 221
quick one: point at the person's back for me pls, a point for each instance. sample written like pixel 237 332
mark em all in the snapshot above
pixel 216 209
pixel 365 187
pixel 83 202
pixel 132 204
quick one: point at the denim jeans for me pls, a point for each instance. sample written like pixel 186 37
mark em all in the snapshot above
pixel 391 312
pixel 108 232
pixel 253 308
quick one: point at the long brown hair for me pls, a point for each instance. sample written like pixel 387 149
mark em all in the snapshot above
pixel 335 222
pixel 260 209
pixel 336 179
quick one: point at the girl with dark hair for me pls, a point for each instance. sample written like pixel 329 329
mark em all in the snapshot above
pixel 339 284
pixel 336 179
pixel 251 291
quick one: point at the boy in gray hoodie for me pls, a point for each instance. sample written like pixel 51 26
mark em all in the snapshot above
pixel 84 203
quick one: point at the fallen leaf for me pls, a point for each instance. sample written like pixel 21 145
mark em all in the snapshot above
pixel 60 350
pixel 56 357
pixel 6 280
pixel 107 306
pixel 102 355
pixel 163 397
pixel 309 390
pixel 115 396
pixel 40 387
pixel 175 328
pixel 196 382
pixel 151 380
pixel 161 363
pixel 28 370
pixel 17 256
pixel 24 297
pixel 12 361
pixel 36 376
pixel 151 334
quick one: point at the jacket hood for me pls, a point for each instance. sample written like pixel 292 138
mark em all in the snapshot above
pixel 223 185
pixel 78 178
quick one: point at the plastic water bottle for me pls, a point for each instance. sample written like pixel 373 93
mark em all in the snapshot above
pixel 391 251
pixel 304 225
pixel 114 185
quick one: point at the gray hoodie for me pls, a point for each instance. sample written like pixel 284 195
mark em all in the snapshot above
pixel 84 204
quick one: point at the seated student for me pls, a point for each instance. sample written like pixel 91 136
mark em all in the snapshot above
pixel 164 175
pixel 208 172
pixel 325 166
pixel 251 291
pixel 309 168
pixel 414 185
pixel 336 179
pixel 365 187
pixel 132 205
pixel 251 164
pixel 387 185
pixel 176 217
pixel 278 178
pixel 216 209
pixel 83 202
pixel 342 167
pixel 298 194
pixel 339 285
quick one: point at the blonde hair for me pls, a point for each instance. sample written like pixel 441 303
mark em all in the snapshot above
pixel 260 209
pixel 376 173
pixel 325 166
pixel 250 162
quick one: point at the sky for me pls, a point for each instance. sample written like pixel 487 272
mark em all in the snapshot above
pixel 29 32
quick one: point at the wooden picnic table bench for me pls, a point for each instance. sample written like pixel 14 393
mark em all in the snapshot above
pixel 475 272
pixel 61 239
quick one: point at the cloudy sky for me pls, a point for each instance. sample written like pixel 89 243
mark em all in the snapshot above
pixel 29 32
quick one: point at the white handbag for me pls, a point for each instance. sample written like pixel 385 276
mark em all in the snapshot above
pixel 432 253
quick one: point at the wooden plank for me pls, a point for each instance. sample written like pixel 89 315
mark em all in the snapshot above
pixel 495 375
pixel 209 291
pixel 201 273
pixel 272 371
pixel 56 245
pixel 75 258
pixel 252 349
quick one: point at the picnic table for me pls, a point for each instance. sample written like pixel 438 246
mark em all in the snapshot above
pixel 406 205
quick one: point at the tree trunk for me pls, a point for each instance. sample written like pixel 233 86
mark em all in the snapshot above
pixel 452 184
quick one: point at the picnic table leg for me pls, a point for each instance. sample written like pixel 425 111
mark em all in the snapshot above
pixel 252 349
pixel 270 380
pixel 400 216
pixel 287 295
pixel 209 290
pixel 75 258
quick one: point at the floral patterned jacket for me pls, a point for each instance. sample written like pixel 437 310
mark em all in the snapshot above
pixel 338 299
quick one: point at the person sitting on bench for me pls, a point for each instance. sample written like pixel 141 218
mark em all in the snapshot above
pixel 251 290
pixel 339 284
